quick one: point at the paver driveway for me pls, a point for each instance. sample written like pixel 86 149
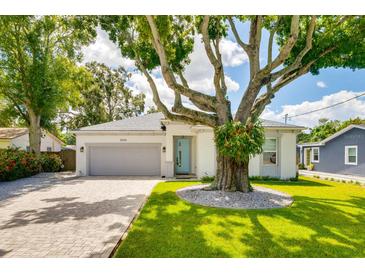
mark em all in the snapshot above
pixel 81 217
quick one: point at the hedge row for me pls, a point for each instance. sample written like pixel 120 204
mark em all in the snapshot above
pixel 16 163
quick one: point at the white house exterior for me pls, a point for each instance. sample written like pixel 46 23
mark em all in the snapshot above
pixel 19 137
pixel 150 145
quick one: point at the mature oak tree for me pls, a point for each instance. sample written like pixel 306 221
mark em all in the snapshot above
pixel 306 44
pixel 37 57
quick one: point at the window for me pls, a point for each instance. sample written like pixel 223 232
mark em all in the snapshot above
pixel 351 155
pixel 315 155
pixel 49 149
pixel 27 148
pixel 270 152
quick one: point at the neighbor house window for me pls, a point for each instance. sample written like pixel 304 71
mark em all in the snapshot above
pixel 315 155
pixel 49 149
pixel 27 148
pixel 350 155
pixel 270 151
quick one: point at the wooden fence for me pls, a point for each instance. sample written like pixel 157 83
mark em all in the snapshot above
pixel 69 159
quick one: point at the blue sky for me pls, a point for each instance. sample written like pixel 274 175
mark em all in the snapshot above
pixel 304 88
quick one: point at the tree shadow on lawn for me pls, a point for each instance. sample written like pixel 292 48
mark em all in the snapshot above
pixel 312 227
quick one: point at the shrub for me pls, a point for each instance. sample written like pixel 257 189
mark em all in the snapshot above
pixel 264 178
pixel 50 162
pixel 207 179
pixel 294 179
pixel 15 164
pixel 239 141
pixel 310 167
pixel 301 166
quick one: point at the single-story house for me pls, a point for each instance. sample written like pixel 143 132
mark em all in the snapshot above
pixel 19 137
pixel 340 153
pixel 151 145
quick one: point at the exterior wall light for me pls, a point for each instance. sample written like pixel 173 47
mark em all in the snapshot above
pixel 163 149
pixel 81 149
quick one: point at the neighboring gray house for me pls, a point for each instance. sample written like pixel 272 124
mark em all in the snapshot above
pixel 341 153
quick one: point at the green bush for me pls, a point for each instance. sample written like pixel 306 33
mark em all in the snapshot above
pixel 293 179
pixel 264 178
pixel 239 141
pixel 301 166
pixel 207 179
pixel 50 162
pixel 15 164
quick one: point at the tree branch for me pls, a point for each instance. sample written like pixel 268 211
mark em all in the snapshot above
pixel 305 50
pixel 260 78
pixel 168 74
pixel 208 49
pixel 203 107
pixel 286 49
pixel 156 98
pixel 188 115
pixel 255 40
pixel 289 77
pixel 223 106
pixel 243 45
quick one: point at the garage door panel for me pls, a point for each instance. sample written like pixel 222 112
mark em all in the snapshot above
pixel 127 159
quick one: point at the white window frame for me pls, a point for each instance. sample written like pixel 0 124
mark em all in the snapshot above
pixel 347 155
pixel 276 151
pixel 312 155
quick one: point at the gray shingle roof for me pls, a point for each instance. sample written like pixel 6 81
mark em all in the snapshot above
pixel 152 122
pixel 148 122
pixel 11 133
pixel 274 124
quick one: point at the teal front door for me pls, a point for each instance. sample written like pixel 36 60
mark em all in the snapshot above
pixel 182 156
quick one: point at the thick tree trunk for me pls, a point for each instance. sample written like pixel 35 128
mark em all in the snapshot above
pixel 34 132
pixel 231 176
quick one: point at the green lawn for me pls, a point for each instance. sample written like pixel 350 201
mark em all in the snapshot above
pixel 327 219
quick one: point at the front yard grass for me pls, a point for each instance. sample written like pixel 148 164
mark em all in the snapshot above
pixel 327 219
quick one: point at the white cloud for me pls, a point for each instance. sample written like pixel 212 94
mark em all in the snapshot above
pixel 321 84
pixel 341 112
pixel 199 72
pixel 232 54
pixel 105 51
pixel 138 83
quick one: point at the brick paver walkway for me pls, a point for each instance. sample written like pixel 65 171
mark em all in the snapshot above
pixel 80 217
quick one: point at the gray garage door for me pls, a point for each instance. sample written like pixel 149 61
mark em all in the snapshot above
pixel 125 159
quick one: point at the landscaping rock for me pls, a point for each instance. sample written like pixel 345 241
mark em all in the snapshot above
pixel 259 198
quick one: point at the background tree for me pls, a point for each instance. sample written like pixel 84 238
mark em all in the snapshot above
pixel 152 109
pixel 9 115
pixel 306 44
pixel 104 97
pixel 37 57
pixel 327 128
